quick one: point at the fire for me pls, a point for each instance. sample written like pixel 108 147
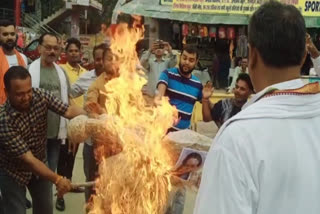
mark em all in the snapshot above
pixel 136 180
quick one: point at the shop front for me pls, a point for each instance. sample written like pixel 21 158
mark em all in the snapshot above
pixel 218 29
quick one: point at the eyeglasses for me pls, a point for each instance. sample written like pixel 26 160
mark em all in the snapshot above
pixel 49 48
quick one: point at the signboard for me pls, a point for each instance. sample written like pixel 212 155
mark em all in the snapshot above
pixel 241 7
pixel 166 2
pixel 88 41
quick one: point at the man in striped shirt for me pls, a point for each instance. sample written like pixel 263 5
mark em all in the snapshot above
pixel 182 88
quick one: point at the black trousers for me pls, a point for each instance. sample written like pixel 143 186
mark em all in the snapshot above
pixel 66 161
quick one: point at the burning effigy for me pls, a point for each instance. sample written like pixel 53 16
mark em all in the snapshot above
pixel 136 180
pixel 136 164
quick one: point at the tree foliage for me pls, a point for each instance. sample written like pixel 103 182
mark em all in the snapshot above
pixel 108 7
pixel 96 19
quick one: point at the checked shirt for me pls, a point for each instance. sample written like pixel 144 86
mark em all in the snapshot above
pixel 21 132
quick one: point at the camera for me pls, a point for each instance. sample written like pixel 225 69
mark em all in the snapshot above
pixel 160 44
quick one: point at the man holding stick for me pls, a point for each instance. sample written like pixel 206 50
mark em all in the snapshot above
pixel 23 129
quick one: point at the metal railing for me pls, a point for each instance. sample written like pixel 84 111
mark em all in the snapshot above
pixel 27 20
pixel 50 7
pixel 35 23
pixel 92 3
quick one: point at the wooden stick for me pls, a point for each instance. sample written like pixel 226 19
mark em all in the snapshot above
pixel 84 184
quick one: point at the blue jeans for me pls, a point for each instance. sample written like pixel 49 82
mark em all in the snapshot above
pixel 90 168
pixel 53 151
pixel 14 195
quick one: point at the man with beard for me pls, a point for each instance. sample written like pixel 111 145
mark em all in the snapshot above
pixel 227 108
pixel 46 74
pixel 23 130
pixel 80 87
pixel 182 87
pixel 9 56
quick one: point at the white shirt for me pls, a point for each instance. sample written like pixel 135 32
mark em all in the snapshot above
pixel 265 160
pixel 13 61
pixel 154 69
pixel 81 86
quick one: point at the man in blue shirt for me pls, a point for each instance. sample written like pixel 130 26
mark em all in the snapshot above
pixel 182 87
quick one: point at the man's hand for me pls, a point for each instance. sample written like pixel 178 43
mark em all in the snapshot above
pixel 207 91
pixel 73 147
pixel 157 101
pixel 153 47
pixel 63 186
pixel 74 111
pixel 167 47
pixel 312 49
pixel 94 109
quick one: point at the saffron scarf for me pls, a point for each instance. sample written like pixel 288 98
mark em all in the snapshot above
pixel 4 66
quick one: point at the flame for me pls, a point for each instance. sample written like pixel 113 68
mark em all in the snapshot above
pixel 136 180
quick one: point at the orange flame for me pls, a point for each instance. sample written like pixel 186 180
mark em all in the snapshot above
pixel 137 180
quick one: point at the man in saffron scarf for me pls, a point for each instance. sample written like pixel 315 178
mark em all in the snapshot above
pixel 9 56
pixel 265 159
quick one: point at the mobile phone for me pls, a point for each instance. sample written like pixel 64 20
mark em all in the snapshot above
pixel 161 44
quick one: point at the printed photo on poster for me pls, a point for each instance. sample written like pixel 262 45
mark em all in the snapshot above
pixel 189 165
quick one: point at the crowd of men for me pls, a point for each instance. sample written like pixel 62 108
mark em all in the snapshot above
pixel 260 162
pixel 34 108
pixel 62 88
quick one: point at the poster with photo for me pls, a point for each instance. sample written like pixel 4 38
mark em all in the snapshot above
pixel 188 167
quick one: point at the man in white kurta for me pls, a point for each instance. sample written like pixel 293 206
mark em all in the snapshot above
pixel 265 160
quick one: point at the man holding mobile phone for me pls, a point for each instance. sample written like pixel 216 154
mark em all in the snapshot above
pixel 154 62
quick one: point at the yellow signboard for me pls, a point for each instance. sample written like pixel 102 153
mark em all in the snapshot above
pixel 243 7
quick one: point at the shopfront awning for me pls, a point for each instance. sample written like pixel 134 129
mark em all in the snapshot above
pixel 152 8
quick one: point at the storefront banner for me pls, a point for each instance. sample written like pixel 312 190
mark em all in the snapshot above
pixel 88 41
pixel 241 7
pixel 166 2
